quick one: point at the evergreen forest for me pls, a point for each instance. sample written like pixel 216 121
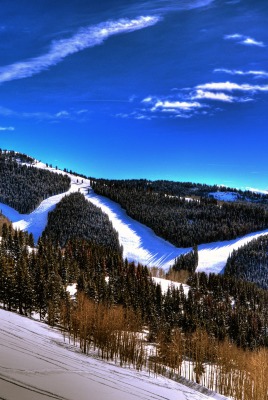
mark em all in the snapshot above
pixel 219 313
pixel 23 186
pixel 223 306
pixel 182 221
pixel 220 326
pixel 75 217
pixel 250 262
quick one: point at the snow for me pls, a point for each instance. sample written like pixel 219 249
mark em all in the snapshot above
pixel 225 196
pixel 254 190
pixel 139 242
pixel 36 364
pixel 212 257
pixel 72 289
pixel 166 283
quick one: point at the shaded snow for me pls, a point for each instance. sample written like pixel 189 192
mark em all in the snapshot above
pixel 36 364
pixel 225 196
pixel 139 242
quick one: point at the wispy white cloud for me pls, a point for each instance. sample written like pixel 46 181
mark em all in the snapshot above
pixel 147 100
pixel 82 111
pixel 44 116
pixel 165 6
pixel 153 107
pixel 233 36
pixel 252 42
pixel 245 40
pixel 7 112
pixel 7 128
pixel 200 100
pixel 174 106
pixel 62 114
pixel 218 96
pixel 231 86
pixel 139 115
pixel 85 38
pixel 256 74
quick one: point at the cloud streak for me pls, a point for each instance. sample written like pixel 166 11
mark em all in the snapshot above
pixel 78 115
pixel 166 6
pixel 201 99
pixel 231 86
pixel 245 40
pixel 218 96
pixel 85 38
pixel 256 74
pixel 7 128
pixel 173 106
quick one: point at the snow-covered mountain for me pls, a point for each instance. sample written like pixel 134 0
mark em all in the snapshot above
pixel 139 242
pixel 36 363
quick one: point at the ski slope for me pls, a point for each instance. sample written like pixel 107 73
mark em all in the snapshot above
pixel 139 242
pixel 36 364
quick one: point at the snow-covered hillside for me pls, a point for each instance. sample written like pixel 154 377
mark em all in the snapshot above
pixel 36 364
pixel 139 242
pixel 225 196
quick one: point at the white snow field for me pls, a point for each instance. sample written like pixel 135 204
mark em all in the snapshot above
pixel 166 284
pixel 139 242
pixel 36 364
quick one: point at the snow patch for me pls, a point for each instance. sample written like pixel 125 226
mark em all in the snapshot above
pixel 166 283
pixel 225 196
pixel 72 289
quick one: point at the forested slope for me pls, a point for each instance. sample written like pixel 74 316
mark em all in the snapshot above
pixel 23 187
pixel 117 299
pixel 181 221
pixel 108 315
pixel 75 217
pixel 250 262
pixel 223 306
pixel 185 189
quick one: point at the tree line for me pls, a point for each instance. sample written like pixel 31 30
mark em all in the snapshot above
pixel 184 189
pixel 181 221
pixel 23 187
pixel 186 262
pixel 250 262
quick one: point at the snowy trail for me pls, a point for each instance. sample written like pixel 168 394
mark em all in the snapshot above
pixel 36 221
pixel 36 364
pixel 213 256
pixel 139 242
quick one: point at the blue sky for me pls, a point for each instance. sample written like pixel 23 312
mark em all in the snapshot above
pixel 158 89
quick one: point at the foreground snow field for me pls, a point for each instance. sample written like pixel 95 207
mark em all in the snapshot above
pixel 139 242
pixel 36 364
